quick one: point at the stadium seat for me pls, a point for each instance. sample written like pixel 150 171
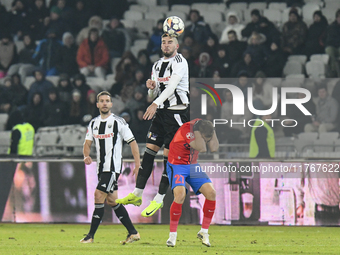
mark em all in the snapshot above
pixel 329 13
pixel 329 136
pixel 53 79
pixel 273 15
pixel 139 8
pixel 308 10
pixel 141 42
pixel 200 6
pixel 72 139
pixel 323 146
pixel 318 2
pixel 133 15
pixel 155 16
pixel 316 69
pixel 331 84
pixel 221 7
pixel 154 58
pixel 293 67
pixel 212 17
pixel 95 83
pixel 160 8
pixel 305 141
pixel 238 6
pixel 20 45
pixel 181 7
pixel 145 26
pixel 300 58
pixel 46 142
pixel 320 57
pixel 258 5
pixel 337 145
pixel 28 81
pixel 3 121
pixel 295 79
pixel 217 28
pixel 105 22
pixel 332 4
pixel 128 23
pixel 5 141
pixel 151 3
pixel 277 6
pixel 275 82
pixel 179 14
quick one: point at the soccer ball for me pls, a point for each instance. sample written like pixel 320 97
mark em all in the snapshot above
pixel 173 25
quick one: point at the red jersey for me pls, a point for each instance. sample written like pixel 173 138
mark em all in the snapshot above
pixel 180 152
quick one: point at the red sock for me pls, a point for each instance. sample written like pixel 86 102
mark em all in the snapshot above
pixel 175 214
pixel 208 211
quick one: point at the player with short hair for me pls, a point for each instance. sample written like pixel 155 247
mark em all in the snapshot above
pixel 108 132
pixel 169 84
pixel 191 138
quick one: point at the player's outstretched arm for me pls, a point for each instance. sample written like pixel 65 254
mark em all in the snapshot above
pixel 86 152
pixel 213 144
pixel 199 143
pixel 136 156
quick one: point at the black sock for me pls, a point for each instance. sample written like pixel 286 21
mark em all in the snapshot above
pixel 124 218
pixel 146 168
pixel 164 184
pixel 96 218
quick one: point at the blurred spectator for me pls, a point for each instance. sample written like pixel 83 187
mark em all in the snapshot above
pixel 79 83
pixel 8 53
pixel 125 71
pixel 67 62
pixel 47 53
pixel 333 44
pixel 246 65
pixel 140 127
pixel 91 109
pixel 66 12
pixel 203 67
pixel 116 38
pixel 19 18
pixel 294 34
pixel 94 22
pixel 37 16
pixel 326 113
pixel 269 30
pixel 187 54
pixel 275 62
pixel 262 92
pixel 20 91
pixel 200 30
pixel 211 46
pixel 127 91
pixel 16 93
pixel 221 62
pixel 233 24
pixel 316 35
pixel 189 42
pixel 34 111
pixel 126 116
pixel 93 56
pixel 112 7
pixel 54 111
pixel 243 83
pixel 294 113
pixel 154 44
pixel 80 17
pixel 64 88
pixel 254 25
pixel 40 85
pixel 75 112
pixel 138 101
pixel 234 48
pixel 257 49
pixel 145 64
pixel 22 136
pixel 55 23
pixel 5 18
pixel 26 64
pixel 138 78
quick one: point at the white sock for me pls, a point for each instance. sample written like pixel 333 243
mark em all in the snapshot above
pixel 205 231
pixel 159 198
pixel 138 192
pixel 173 233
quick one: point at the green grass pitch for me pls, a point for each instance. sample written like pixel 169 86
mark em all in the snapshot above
pixel 64 239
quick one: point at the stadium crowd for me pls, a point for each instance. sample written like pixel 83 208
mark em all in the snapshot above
pixel 69 39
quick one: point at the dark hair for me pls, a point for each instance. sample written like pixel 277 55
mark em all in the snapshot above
pixel 206 128
pixel 322 87
pixel 104 93
pixel 255 12
pixel 232 32
pixel 337 14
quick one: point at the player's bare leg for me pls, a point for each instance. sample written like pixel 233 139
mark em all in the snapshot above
pixel 175 214
pixel 209 192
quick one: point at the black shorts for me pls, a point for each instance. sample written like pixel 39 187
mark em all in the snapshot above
pixel 165 125
pixel 107 182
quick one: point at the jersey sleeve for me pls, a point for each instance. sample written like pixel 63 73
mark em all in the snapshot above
pixel 180 68
pixel 89 134
pixel 187 133
pixel 125 132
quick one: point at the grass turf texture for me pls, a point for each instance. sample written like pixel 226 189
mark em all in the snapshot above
pixel 64 239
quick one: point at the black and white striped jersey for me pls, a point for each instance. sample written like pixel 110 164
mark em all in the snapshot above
pixel 108 135
pixel 162 71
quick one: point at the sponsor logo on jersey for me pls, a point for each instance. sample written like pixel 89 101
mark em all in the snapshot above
pixel 103 136
pixel 96 128
pixel 190 135
pixel 164 79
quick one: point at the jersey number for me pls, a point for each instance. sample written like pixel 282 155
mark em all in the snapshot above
pixel 179 179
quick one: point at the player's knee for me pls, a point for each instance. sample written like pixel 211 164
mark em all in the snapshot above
pixel 99 196
pixel 179 197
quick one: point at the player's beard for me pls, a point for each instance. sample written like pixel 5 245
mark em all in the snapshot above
pixel 168 54
pixel 104 112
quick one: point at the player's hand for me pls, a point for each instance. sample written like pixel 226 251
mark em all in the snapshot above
pixel 150 84
pixel 299 211
pixel 150 112
pixel 88 160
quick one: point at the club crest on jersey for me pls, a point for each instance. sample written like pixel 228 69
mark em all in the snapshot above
pixel 190 135
pixel 110 125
